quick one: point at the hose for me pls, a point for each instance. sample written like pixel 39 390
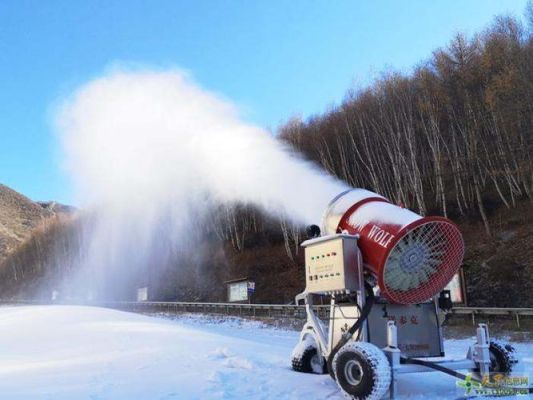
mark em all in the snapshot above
pixel 365 312
pixel 437 367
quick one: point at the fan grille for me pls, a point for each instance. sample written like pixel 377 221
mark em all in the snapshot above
pixel 422 262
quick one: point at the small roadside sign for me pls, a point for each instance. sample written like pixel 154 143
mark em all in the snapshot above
pixel 251 287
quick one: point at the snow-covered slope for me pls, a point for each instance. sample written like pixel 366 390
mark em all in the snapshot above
pixel 68 352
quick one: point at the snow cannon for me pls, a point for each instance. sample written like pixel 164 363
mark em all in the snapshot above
pixel 412 257
pixel 368 340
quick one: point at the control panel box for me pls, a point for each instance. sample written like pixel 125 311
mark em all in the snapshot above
pixel 331 264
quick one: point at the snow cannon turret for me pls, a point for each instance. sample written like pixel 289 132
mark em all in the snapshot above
pixel 412 257
pixel 371 340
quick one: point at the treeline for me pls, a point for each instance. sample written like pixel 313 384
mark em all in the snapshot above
pixel 54 259
pixel 453 137
pixel 49 254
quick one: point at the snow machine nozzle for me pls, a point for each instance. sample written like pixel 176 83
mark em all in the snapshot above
pixel 412 257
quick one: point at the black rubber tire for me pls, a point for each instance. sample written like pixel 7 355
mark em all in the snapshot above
pixel 357 366
pixel 331 372
pixel 304 362
pixel 502 357
pixel 365 387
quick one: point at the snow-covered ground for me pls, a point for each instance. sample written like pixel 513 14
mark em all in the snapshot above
pixel 72 352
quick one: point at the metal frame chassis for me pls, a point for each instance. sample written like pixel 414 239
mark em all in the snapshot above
pixel 478 355
pixel 314 325
pixel 323 337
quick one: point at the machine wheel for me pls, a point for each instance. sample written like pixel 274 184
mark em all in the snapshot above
pixel 502 358
pixel 362 371
pixel 306 358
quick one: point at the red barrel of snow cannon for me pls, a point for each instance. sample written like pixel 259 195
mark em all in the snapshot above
pixel 412 257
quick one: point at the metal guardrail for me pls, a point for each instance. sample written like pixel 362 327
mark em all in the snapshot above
pixel 233 309
pixel 272 310
pixel 493 311
pixel 298 311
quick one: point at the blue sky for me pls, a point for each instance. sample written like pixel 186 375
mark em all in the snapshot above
pixel 275 59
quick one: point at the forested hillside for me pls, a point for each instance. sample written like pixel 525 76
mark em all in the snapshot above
pixel 453 138
pixel 18 217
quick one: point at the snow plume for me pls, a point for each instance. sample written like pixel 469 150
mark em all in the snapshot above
pixel 151 151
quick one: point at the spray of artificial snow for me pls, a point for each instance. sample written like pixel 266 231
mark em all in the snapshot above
pixel 150 151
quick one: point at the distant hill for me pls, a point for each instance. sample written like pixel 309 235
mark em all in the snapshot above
pixel 19 216
pixel 56 208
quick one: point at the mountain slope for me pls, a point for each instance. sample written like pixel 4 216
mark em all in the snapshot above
pixel 19 216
